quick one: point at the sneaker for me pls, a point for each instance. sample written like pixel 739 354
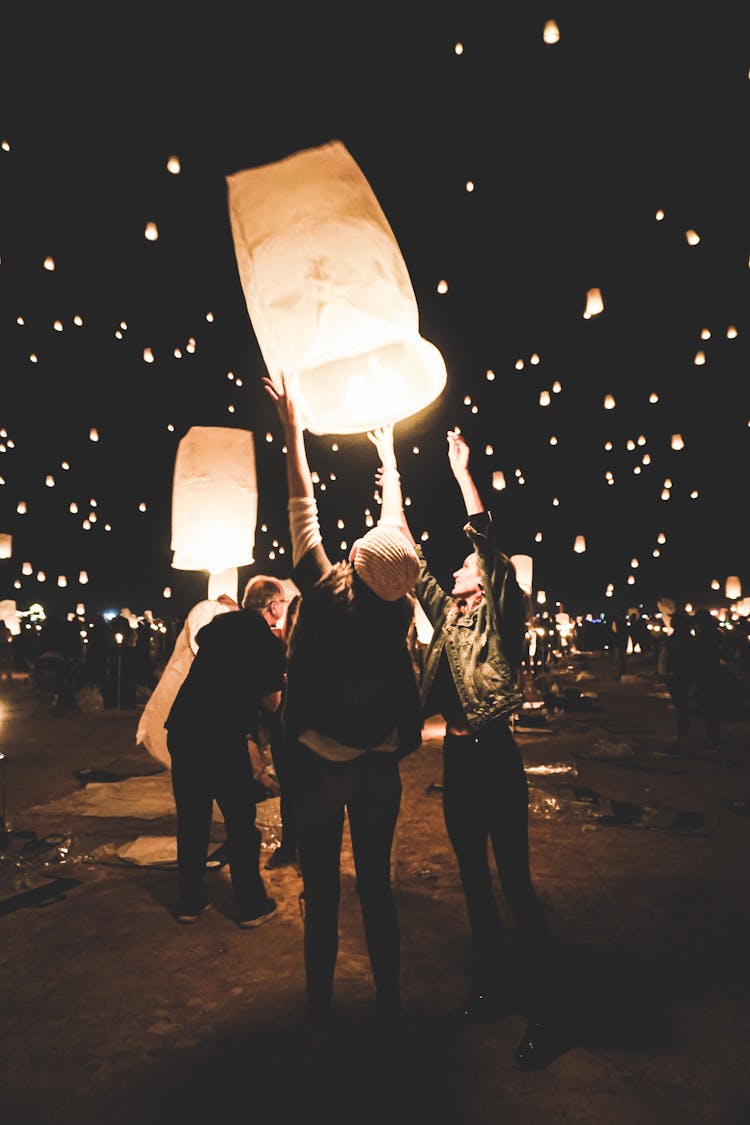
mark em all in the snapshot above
pixel 254 920
pixel 282 857
pixel 187 913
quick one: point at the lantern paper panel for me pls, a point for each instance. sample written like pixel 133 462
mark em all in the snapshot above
pixel 328 292
pixel 214 500
pixel 6 545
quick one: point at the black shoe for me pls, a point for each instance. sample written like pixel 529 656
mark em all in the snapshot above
pixel 543 1041
pixel 251 921
pixel 282 857
pixel 188 912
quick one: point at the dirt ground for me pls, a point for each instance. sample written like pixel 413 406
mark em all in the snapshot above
pixel 113 1013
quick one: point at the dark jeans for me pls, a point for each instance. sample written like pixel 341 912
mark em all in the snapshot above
pixel 486 800
pixel 202 774
pixel 368 789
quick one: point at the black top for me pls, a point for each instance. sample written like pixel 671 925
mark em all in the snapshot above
pixel 239 660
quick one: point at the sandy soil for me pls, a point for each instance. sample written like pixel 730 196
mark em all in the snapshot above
pixel 113 1013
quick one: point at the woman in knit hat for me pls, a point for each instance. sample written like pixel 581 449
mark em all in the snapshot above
pixel 470 678
pixel 351 712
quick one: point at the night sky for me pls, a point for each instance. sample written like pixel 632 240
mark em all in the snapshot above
pixel 573 148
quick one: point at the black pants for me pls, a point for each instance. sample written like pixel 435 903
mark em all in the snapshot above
pixel 486 801
pixel 202 774
pixel 368 790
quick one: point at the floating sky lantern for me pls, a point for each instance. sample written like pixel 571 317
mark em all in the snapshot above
pixel 677 441
pixel 594 303
pixel 214 504
pixel 733 588
pixel 551 32
pixel 498 480
pixel 580 544
pixel 328 292
pixel 6 545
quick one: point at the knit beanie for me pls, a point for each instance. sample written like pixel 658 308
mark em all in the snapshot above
pixel 386 562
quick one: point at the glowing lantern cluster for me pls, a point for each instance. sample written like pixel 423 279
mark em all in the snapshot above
pixel 328 292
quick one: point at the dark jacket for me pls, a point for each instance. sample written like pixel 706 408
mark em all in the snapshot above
pixel 349 671
pixel 239 660
pixel 483 647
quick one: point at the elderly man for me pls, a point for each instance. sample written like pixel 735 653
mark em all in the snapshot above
pixel 212 737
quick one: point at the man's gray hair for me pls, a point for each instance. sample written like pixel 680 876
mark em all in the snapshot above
pixel 260 591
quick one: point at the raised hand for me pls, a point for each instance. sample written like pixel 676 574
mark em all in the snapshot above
pixel 284 401
pixel 382 439
pixel 458 452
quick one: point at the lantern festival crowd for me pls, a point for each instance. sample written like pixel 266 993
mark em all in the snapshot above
pixel 317 698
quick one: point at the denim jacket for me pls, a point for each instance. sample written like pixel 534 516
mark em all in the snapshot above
pixel 484 676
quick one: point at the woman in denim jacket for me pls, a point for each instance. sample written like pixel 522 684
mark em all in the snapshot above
pixel 470 678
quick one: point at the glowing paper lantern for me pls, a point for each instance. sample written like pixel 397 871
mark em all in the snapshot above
pixel 733 588
pixel 9 614
pixel 580 544
pixel 328 292
pixel 214 500
pixel 6 545
pixel 594 303
pixel 524 565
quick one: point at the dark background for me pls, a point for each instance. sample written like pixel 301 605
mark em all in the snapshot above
pixel 573 149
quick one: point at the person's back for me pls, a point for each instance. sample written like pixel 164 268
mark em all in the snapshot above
pixel 346 658
pixel 225 682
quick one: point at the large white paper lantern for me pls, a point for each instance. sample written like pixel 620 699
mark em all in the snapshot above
pixel 328 292
pixel 6 545
pixel 214 500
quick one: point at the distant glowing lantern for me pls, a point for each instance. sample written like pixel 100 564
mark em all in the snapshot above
pixel 551 33
pixel 594 303
pixel 498 480
pixel 524 565
pixel 677 442
pixel 692 237
pixel 733 588
pixel 6 545
pixel 328 292
pixel 580 544
pixel 151 232
pixel 609 402
pixel 93 434
pixel 214 501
